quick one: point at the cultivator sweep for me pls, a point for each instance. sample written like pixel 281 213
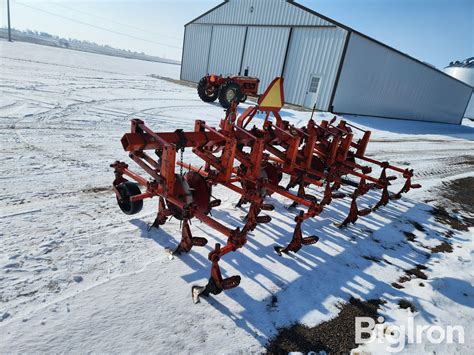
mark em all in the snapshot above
pixel 251 160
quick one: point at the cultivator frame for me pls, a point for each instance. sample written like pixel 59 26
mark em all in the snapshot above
pixel 250 162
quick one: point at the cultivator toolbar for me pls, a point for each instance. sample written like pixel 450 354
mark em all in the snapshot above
pixel 251 160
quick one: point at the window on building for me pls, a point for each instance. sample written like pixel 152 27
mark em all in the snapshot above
pixel 313 86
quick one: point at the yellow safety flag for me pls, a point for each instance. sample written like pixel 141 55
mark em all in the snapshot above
pixel 273 98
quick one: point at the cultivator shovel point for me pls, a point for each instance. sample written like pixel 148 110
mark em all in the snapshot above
pixel 251 160
pixel 298 240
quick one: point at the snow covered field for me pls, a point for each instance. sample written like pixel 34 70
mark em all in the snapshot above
pixel 77 275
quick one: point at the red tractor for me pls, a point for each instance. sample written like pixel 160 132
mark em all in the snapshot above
pixel 227 89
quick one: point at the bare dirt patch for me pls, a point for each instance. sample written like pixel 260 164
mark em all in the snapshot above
pixel 336 336
pixel 444 247
pixel 414 273
pixel 456 204
pixel 405 304
pixel 95 190
pixel 442 216
pixel 397 285
pixel 417 272
pixel 417 226
pixel 409 236
pixel 175 81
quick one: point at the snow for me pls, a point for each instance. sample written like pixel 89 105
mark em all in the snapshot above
pixel 447 299
pixel 35 56
pixel 77 275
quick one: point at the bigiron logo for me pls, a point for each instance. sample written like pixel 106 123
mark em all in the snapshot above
pixel 398 336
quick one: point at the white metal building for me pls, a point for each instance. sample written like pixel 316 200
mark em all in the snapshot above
pixel 324 63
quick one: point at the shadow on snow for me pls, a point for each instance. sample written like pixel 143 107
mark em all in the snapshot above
pixel 373 240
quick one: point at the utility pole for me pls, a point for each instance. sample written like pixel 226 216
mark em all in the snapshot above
pixel 9 26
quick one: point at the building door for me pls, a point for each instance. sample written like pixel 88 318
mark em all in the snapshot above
pixel 264 53
pixel 312 91
pixel 197 42
pixel 226 50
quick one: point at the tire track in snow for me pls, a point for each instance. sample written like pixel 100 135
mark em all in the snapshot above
pixel 74 108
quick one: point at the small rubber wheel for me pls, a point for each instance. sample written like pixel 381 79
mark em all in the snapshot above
pixel 127 190
pixel 228 93
pixel 243 98
pixel 207 93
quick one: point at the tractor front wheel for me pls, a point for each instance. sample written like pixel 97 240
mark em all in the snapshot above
pixel 228 93
pixel 206 92
pixel 243 98
pixel 127 190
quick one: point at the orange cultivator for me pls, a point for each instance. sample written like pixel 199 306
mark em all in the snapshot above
pixel 250 161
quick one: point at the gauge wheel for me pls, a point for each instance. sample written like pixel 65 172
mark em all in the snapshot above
pixel 126 191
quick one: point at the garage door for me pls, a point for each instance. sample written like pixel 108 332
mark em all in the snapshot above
pixel 195 52
pixel 226 49
pixel 264 53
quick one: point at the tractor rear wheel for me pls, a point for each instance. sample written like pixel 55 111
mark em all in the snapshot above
pixel 207 93
pixel 127 190
pixel 228 93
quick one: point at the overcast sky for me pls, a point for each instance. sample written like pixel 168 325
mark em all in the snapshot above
pixel 435 31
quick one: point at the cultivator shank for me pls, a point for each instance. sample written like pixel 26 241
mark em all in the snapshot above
pixel 251 160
